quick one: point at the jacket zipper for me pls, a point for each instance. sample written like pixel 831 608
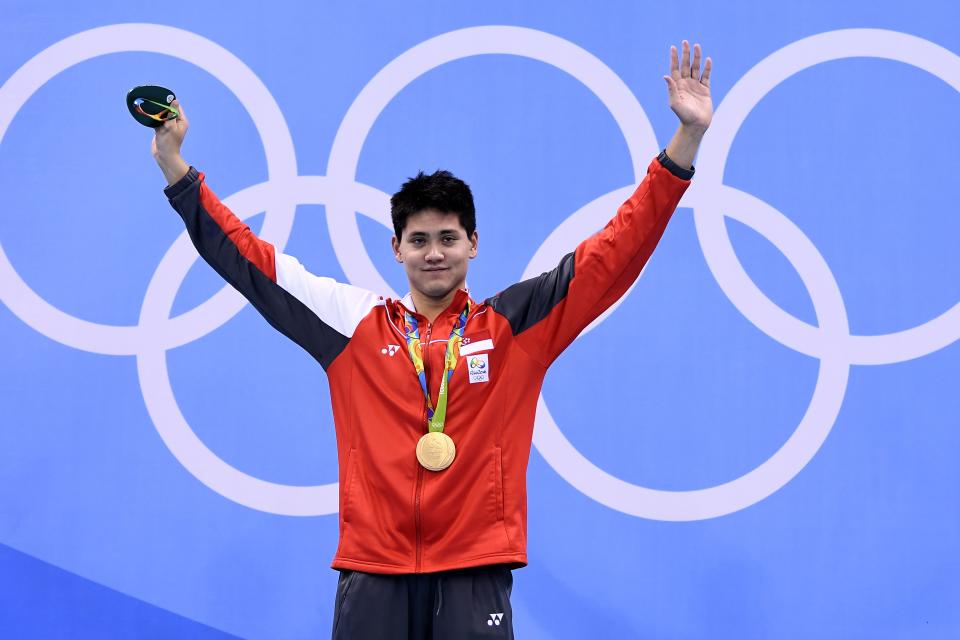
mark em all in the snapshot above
pixel 416 503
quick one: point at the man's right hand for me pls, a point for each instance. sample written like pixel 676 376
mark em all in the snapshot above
pixel 166 143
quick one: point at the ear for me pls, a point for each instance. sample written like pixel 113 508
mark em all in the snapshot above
pixel 396 249
pixel 474 240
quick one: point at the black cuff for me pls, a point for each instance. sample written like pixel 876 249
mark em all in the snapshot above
pixel 674 168
pixel 180 185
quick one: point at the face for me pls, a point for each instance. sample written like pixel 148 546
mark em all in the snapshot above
pixel 435 250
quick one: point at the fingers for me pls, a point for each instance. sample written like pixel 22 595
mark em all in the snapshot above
pixel 687 68
pixel 707 68
pixel 671 86
pixel 685 61
pixel 173 128
pixel 674 64
pixel 176 105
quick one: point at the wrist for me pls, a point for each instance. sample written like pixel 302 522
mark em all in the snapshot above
pixel 685 143
pixel 691 131
pixel 173 166
pixel 167 158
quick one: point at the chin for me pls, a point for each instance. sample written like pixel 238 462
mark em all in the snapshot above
pixel 437 292
pixel 436 289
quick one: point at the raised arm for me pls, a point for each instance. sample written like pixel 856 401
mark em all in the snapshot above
pixel 317 313
pixel 689 93
pixel 166 144
pixel 547 313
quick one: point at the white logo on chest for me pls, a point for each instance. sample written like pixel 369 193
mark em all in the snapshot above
pixel 478 368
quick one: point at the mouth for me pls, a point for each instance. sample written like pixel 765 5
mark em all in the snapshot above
pixel 435 269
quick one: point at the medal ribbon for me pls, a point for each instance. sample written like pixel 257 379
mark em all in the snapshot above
pixel 436 417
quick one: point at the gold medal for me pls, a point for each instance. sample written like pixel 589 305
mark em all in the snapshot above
pixel 435 451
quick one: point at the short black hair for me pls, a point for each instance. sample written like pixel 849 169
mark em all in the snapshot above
pixel 441 190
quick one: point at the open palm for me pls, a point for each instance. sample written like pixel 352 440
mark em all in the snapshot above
pixel 689 88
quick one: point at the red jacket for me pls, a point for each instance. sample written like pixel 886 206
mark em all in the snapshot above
pixel 395 516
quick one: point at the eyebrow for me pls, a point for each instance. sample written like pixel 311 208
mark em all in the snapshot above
pixel 439 233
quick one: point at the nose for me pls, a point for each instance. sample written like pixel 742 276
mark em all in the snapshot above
pixel 434 254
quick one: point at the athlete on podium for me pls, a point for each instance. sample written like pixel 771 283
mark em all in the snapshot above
pixel 434 395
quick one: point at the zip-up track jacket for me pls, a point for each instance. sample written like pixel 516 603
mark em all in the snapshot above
pixel 395 516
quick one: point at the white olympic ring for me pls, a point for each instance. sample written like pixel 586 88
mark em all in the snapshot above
pixel 236 76
pixel 437 51
pixel 711 200
pixel 737 104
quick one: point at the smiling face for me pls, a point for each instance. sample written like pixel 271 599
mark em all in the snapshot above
pixel 435 250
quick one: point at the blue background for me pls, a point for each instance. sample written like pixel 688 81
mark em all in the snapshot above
pixel 103 533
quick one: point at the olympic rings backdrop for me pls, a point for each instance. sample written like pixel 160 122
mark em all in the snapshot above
pixel 758 441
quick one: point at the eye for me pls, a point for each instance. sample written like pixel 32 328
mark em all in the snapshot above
pixel 416 241
pixel 449 239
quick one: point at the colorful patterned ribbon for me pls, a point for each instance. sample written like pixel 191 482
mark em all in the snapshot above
pixel 435 417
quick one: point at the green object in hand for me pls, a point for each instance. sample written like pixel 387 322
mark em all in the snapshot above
pixel 150 105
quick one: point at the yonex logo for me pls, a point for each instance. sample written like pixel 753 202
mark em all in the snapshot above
pixel 390 349
pixel 495 619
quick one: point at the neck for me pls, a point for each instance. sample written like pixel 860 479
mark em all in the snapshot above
pixel 431 307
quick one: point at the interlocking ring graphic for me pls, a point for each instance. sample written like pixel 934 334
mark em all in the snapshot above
pixel 829 341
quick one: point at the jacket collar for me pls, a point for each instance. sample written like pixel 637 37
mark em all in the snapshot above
pixel 456 305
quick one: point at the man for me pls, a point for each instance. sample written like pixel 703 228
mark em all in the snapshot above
pixel 433 444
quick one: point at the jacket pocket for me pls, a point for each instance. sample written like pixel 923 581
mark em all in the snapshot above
pixel 498 479
pixel 351 474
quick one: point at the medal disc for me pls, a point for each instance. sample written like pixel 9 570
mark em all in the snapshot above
pixel 435 451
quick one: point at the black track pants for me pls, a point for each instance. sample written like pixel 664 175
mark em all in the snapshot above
pixel 450 605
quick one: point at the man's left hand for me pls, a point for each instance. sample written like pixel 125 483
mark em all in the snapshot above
pixel 689 88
